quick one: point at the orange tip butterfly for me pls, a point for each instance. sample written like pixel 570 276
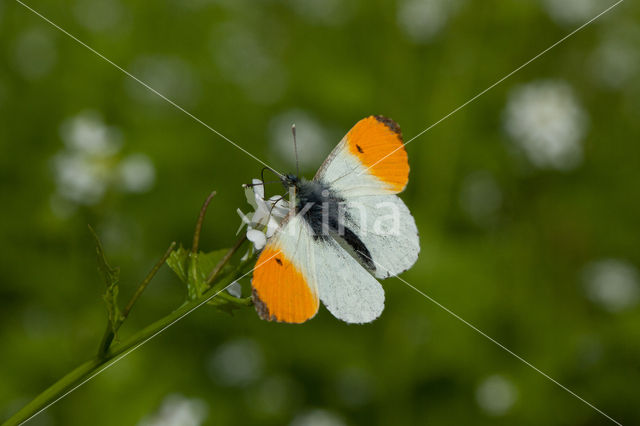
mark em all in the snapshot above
pixel 346 228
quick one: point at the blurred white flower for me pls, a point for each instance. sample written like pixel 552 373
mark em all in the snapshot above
pixel 327 12
pixel 311 137
pixel 136 173
pixel 615 62
pixel 547 123
pixel 35 53
pixel 81 179
pixel 89 165
pixel 171 76
pixel 612 283
pixel 480 197
pixel 244 59
pixel 236 363
pixel 496 395
pixel 178 410
pixel 421 20
pixel 572 12
pixel 318 417
pixel 267 216
pixel 87 134
pixel 98 15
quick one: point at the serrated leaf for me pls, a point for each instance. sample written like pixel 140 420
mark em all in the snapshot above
pixel 178 262
pixel 193 270
pixel 110 276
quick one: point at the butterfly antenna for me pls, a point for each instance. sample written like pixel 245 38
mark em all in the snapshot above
pixel 295 149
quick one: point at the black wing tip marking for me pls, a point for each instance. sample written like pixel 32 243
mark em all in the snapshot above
pixel 261 308
pixel 392 125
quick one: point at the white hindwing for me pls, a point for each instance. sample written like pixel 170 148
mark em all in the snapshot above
pixel 347 290
pixel 385 226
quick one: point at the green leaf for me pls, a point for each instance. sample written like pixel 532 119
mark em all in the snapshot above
pixel 178 262
pixel 110 276
pixel 193 270
pixel 228 303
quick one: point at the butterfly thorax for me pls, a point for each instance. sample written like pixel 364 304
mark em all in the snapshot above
pixel 317 204
pixel 324 210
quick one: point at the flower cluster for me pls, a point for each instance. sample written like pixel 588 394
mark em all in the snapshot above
pixel 267 215
pixel 547 123
pixel 91 163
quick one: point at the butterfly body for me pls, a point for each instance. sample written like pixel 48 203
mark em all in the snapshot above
pixel 324 211
pixel 346 228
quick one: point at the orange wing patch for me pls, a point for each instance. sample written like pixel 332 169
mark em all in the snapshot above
pixel 377 142
pixel 280 291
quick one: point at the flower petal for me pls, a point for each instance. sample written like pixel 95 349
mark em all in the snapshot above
pixel 258 188
pixel 258 238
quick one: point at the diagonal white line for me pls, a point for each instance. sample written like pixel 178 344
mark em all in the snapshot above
pixel 142 342
pixel 145 85
pixel 467 323
pixel 500 345
pixel 499 81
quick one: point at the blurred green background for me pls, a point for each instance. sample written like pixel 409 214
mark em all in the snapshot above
pixel 526 201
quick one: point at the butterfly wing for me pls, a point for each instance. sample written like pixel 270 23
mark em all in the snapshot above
pixel 387 229
pixel 367 167
pixel 284 285
pixel 347 290
pixel 370 160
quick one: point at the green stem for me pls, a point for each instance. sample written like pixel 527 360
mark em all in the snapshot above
pixel 91 368
pixel 111 331
pixel 196 234
pixel 109 355
pixel 215 273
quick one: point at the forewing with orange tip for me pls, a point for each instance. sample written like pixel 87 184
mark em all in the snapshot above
pixel 284 283
pixel 370 160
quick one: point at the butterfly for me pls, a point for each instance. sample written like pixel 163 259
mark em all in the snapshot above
pixel 346 227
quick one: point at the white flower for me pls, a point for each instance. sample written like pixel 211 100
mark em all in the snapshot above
pixel 235 289
pixel 496 395
pixel 572 12
pixel 90 164
pixel 178 410
pixel 137 173
pixel 318 417
pixel 421 20
pixel 615 63
pixel 267 216
pixel 81 179
pixel 612 283
pixel 86 133
pixel 547 123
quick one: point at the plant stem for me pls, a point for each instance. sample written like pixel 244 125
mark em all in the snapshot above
pixel 218 268
pixel 109 355
pixel 203 211
pixel 111 331
pixel 91 368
